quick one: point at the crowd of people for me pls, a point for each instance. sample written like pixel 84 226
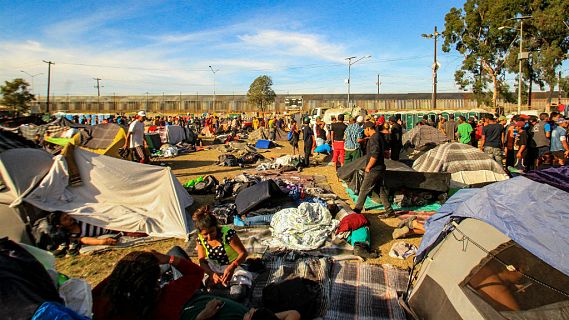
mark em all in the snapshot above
pixel 520 144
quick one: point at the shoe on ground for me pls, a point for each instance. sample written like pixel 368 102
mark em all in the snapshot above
pixel 61 250
pixel 362 250
pixel 387 214
pixel 401 232
pixel 73 250
pixel 407 222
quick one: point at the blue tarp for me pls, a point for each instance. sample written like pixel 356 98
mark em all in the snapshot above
pixel 535 215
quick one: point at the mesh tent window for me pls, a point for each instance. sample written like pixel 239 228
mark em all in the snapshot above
pixel 531 289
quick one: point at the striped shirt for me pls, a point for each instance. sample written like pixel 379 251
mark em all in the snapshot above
pixel 89 230
pixel 353 132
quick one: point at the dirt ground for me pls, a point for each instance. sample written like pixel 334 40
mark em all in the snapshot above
pixel 95 268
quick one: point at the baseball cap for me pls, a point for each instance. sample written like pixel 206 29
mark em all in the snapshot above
pixel 369 124
pixel 501 118
pixel 520 123
pixel 142 113
pixel 524 116
pixel 360 119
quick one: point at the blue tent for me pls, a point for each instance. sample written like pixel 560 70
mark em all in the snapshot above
pixel 533 214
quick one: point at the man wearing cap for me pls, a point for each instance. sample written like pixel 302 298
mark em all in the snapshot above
pixel 492 138
pixel 559 146
pixel 135 138
pixel 395 138
pixel 374 172
pixel 353 136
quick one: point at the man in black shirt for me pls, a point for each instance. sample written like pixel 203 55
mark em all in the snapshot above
pixel 308 138
pixel 374 172
pixel 337 137
pixel 395 138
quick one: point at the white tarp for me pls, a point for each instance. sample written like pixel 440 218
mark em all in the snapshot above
pixel 116 194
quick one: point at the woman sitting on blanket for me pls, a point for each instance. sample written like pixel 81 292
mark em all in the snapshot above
pixel 72 234
pixel 220 252
pixel 133 291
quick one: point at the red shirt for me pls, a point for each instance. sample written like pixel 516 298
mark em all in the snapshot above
pixel 172 297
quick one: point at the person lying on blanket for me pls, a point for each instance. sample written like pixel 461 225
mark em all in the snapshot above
pixel 220 252
pixel 133 291
pixel 72 234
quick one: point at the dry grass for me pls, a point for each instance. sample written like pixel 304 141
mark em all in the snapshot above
pixel 96 267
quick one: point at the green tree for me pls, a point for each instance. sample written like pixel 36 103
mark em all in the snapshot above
pixel 15 94
pixel 549 18
pixel 260 92
pixel 473 32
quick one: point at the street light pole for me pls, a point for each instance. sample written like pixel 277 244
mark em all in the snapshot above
pixel 350 63
pixel 522 55
pixel 214 72
pixel 434 36
pixel 520 66
pixel 32 76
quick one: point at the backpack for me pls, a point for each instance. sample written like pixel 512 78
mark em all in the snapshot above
pixel 289 135
pixel 208 185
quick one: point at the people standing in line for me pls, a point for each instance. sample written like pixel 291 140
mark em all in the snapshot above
pixel 337 131
pixel 308 139
pixel 374 172
pixel 492 138
pixel 295 137
pixel 464 130
pixel 135 139
pixel 450 128
pixel 559 145
pixel 353 136
pixel 395 138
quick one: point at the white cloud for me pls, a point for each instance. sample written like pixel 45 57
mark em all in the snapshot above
pixel 295 44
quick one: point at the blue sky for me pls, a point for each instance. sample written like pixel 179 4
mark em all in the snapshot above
pixel 167 46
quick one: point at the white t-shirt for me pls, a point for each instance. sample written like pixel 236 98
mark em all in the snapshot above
pixel 137 134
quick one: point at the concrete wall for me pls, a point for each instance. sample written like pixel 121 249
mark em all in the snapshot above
pixel 174 104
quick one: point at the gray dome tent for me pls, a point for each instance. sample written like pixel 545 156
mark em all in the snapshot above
pixel 499 252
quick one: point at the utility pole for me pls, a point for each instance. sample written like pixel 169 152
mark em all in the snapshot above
pixel 49 63
pixel 434 36
pixel 146 107
pixel 378 85
pixel 98 86
pixel 214 72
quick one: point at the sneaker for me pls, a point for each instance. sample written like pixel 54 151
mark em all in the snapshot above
pixel 401 232
pixel 73 249
pixel 61 250
pixel 362 250
pixel 387 214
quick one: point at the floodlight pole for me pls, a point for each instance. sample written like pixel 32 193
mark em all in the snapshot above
pixel 350 63
pixel 214 72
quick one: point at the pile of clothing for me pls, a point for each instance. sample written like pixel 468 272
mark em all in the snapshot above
pixel 230 160
pixel 284 163
pixel 304 228
pixel 202 185
pixel 405 198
